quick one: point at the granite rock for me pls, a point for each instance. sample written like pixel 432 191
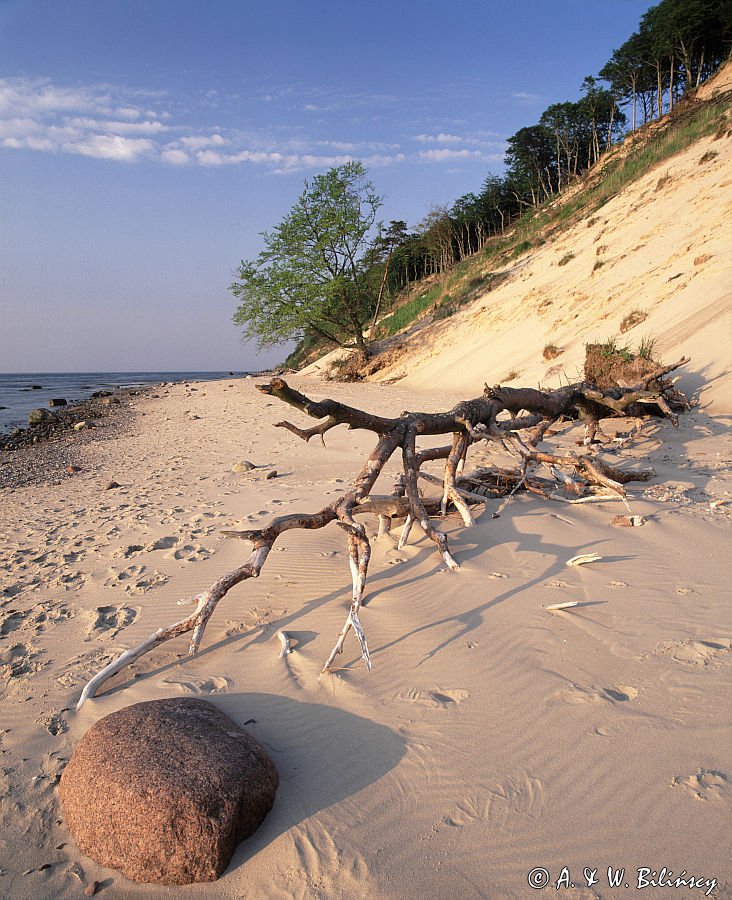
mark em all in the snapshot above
pixel 165 790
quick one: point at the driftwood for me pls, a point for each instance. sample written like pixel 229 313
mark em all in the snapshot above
pixel 581 476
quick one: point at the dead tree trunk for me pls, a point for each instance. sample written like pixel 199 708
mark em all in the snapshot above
pixel 468 422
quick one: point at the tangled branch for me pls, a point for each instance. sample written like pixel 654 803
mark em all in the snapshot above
pixel 571 478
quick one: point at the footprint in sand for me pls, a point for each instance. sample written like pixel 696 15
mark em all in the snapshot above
pixel 69 581
pixel 54 723
pixel 45 615
pixel 18 660
pixel 118 576
pixel 163 543
pixel 10 620
pixel 105 619
pixel 695 653
pixel 621 694
pixel 706 784
pixel 81 668
pixel 577 694
pixel 395 560
pixel 256 617
pixel 134 579
pixel 257 514
pixel 436 697
pixel 213 684
pixel 202 532
pixel 199 517
pixel 518 795
pixel 191 553
pixel 128 551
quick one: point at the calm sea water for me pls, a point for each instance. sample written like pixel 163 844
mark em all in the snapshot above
pixel 19 394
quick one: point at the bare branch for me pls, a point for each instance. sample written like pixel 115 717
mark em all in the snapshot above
pixel 468 422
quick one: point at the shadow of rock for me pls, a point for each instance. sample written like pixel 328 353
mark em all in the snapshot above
pixel 323 755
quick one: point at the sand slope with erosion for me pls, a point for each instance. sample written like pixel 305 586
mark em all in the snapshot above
pixel 662 246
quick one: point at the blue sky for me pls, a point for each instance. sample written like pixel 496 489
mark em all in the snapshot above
pixel 145 145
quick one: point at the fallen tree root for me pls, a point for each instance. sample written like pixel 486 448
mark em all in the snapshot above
pixel 469 422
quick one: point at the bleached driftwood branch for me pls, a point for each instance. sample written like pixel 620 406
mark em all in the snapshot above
pixel 286 644
pixel 468 422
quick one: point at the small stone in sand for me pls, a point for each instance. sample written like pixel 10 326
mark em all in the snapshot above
pixel 110 485
pixel 76 870
pixel 243 466
pixel 627 521
pixel 42 417
pixel 92 888
pixel 271 474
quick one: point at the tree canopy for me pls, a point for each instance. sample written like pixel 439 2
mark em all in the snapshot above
pixel 313 273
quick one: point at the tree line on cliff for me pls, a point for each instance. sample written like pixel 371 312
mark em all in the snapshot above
pixel 328 268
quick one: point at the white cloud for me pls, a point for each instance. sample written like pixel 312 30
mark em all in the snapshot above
pixel 146 127
pixel 105 122
pixel 17 127
pixel 441 138
pixel 344 146
pixel 175 157
pixel 38 115
pixel 92 124
pixel 127 112
pixel 198 142
pixel 111 146
pixel 20 96
pixel 445 154
pixel 523 95
pixel 379 160
pixel 480 139
pixel 283 162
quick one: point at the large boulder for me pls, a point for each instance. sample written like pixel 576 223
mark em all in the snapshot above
pixel 165 790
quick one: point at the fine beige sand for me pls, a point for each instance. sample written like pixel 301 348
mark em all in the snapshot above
pixel 491 737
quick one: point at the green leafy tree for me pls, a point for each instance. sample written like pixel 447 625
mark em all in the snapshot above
pixel 531 163
pixel 313 274
pixel 626 72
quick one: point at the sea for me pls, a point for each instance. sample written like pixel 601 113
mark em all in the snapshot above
pixel 20 393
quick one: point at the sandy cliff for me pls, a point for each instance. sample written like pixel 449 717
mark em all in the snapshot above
pixel 662 246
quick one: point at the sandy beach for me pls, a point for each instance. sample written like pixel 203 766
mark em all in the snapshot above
pixel 402 213
pixel 492 736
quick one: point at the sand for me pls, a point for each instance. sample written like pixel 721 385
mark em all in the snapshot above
pixel 492 736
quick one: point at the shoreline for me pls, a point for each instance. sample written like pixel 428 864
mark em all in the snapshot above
pixel 45 454
pixel 21 393
pixel 490 737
